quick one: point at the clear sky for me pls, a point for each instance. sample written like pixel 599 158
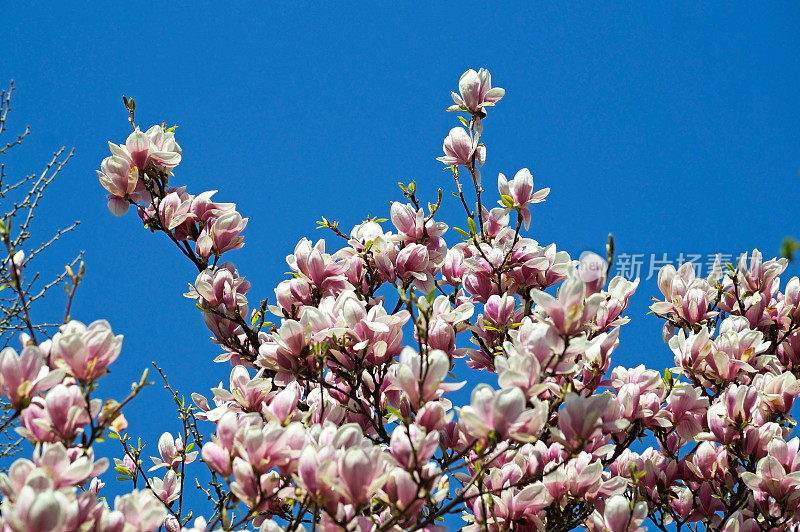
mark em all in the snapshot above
pixel 674 126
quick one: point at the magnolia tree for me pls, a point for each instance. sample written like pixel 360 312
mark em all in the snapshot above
pixel 340 415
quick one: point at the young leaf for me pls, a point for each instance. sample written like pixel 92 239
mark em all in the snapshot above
pixel 472 228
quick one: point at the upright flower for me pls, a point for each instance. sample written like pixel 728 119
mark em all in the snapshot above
pixel 619 515
pixel 476 93
pixel 85 352
pixel 22 376
pixel 221 234
pixel 520 190
pixel 460 148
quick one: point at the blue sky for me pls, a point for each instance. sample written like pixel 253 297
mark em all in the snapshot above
pixel 675 127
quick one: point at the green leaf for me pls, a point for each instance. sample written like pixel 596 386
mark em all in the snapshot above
pixel 507 200
pixel 431 296
pixel 789 247
pixel 472 228
pixel 463 121
pixel 461 232
pixel 395 412
pixel 122 471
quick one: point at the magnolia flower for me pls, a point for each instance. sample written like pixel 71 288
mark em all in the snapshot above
pixel 221 234
pixel 39 507
pixel 410 222
pixel 85 352
pixel 250 487
pixel 126 463
pixel 360 473
pixel 412 446
pixel 140 510
pixel 490 410
pixel 171 453
pixel 167 489
pixel 760 276
pixel 520 190
pixel 118 176
pixel 476 92
pixel 534 266
pixel 204 209
pixel 571 311
pixel 685 410
pixel 175 210
pixel 218 454
pixel 67 466
pixel 412 261
pixel 60 415
pixel 584 419
pixel 414 227
pixel 422 378
pixel 121 179
pixel 687 298
pixel 154 145
pixel 17 262
pixel 461 149
pixel 318 268
pixel 22 376
pixel 221 286
pixel 619 515
pixel 771 479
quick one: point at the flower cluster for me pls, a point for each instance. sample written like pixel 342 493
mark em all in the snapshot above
pixel 123 174
pixel 341 415
pixel 48 385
